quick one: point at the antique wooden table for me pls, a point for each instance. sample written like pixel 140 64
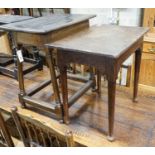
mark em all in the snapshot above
pixel 37 32
pixel 105 48
pixel 7 59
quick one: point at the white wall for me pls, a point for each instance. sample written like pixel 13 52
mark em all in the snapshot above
pixel 130 17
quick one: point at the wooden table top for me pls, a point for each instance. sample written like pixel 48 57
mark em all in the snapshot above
pixel 42 25
pixel 109 40
pixel 6 19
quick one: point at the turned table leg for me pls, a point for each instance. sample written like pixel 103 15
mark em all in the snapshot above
pixel 63 78
pixel 111 108
pixel 14 50
pixel 138 55
pixel 21 82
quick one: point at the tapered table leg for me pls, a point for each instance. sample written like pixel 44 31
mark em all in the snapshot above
pixel 53 76
pixel 111 108
pixel 138 55
pixel 63 78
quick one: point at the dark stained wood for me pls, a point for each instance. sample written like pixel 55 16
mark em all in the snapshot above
pixel 5 19
pixel 49 59
pixel 68 102
pixel 64 89
pixel 111 109
pixel 102 40
pixel 134 123
pixel 138 55
pixel 5 59
pixel 105 48
pixel 42 25
pixel 98 82
pixel 80 92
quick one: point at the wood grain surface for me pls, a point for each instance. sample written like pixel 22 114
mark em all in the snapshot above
pixel 107 40
pixel 46 24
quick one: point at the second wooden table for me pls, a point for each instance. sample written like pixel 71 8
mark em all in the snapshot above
pixel 37 32
pixel 104 48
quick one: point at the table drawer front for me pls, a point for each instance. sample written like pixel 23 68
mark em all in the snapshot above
pixel 148 56
pixel 147 71
pixel 149 47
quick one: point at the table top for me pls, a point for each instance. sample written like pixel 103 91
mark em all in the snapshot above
pixel 46 24
pixel 6 19
pixel 106 40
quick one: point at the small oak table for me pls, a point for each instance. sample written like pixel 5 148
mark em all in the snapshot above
pixel 105 48
pixel 38 32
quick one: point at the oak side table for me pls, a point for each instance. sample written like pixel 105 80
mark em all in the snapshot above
pixel 105 48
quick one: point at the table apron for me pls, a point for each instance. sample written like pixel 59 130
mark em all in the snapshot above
pixel 107 65
pixel 39 40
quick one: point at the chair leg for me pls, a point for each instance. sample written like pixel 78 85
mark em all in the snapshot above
pixel 18 125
